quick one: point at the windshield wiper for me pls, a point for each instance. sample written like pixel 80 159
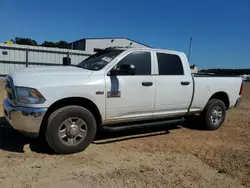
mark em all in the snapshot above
pixel 81 67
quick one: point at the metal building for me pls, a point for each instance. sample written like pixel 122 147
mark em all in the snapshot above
pixel 14 57
pixel 91 45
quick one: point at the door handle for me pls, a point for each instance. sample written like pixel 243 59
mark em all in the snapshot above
pixel 185 83
pixel 147 83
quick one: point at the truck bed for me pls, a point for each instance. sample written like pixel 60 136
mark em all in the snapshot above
pixel 206 85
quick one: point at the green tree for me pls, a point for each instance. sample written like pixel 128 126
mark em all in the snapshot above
pixel 227 71
pixel 29 41
pixel 24 41
pixel 49 44
pixel 62 44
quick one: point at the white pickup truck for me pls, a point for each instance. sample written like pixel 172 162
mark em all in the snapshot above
pixel 114 89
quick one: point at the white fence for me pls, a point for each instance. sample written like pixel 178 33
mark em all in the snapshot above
pixel 14 57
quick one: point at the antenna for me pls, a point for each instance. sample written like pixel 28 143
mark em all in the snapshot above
pixel 189 50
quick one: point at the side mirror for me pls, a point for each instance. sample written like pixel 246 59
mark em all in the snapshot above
pixel 124 69
pixel 66 61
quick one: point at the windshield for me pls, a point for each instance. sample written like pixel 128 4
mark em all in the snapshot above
pixel 99 60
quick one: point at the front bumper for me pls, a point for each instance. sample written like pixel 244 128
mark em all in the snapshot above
pixel 24 119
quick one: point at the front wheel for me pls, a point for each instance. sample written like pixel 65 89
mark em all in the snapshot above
pixel 70 129
pixel 214 114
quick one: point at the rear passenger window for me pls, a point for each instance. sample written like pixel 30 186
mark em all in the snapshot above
pixel 169 64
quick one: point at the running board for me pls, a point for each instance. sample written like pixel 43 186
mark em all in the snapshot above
pixel 163 123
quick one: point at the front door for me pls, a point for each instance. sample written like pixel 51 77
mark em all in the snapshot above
pixel 131 97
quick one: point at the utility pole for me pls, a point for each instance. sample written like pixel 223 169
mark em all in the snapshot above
pixel 189 50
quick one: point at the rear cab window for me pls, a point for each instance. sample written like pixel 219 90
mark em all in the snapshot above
pixel 169 64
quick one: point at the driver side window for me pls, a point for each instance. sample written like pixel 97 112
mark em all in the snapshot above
pixel 141 61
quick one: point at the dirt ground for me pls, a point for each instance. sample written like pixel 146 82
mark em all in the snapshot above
pixel 177 156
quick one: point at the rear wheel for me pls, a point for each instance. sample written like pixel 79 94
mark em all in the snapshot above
pixel 214 114
pixel 70 129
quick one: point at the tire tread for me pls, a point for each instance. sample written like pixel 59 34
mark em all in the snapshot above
pixel 205 115
pixel 57 113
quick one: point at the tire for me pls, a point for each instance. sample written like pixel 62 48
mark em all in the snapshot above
pixel 61 129
pixel 210 122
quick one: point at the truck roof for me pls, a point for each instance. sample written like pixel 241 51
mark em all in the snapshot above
pixel 144 48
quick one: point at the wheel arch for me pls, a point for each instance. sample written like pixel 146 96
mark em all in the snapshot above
pixel 223 96
pixel 79 101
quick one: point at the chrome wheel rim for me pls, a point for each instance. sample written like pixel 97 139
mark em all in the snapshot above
pixel 216 116
pixel 72 131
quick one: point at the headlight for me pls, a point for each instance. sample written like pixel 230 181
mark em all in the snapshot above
pixel 29 95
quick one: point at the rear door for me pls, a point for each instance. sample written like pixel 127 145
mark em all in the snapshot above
pixel 173 85
pixel 131 97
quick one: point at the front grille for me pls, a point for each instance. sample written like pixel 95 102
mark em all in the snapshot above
pixel 9 95
pixel 9 89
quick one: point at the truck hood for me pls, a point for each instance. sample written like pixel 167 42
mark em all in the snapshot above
pixel 35 77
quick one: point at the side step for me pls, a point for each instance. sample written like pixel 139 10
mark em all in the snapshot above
pixel 163 123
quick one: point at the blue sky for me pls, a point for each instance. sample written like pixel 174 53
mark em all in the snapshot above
pixel 220 28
